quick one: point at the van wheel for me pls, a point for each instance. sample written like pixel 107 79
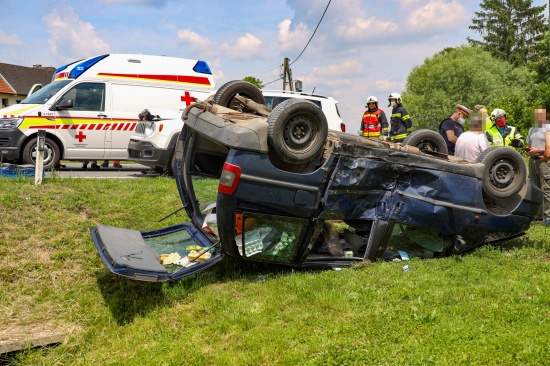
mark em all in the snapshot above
pixel 505 172
pixel 298 130
pixel 427 141
pixel 51 153
pixel 225 96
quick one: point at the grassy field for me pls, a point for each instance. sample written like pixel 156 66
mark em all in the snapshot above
pixel 489 307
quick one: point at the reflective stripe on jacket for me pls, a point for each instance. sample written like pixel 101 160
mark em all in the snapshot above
pixel 401 123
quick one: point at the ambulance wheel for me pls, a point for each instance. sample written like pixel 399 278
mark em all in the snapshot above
pixel 225 96
pixel 298 130
pixel 427 141
pixel 505 172
pixel 51 153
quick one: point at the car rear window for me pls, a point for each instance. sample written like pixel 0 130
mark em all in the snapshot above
pixel 272 102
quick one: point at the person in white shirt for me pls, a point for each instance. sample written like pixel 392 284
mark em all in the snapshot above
pixel 472 143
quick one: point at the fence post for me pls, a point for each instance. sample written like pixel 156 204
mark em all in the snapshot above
pixel 39 168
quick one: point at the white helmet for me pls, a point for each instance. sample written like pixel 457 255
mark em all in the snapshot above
pixel 395 96
pixel 497 113
pixel 371 99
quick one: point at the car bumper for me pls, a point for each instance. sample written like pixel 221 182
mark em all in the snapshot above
pixel 146 153
pixel 11 141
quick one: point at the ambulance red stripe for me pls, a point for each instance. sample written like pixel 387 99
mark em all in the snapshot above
pixel 173 78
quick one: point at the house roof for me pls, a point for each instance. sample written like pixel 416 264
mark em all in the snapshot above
pixel 15 79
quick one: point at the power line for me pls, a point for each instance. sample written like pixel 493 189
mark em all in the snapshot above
pixel 272 81
pixel 263 71
pixel 312 34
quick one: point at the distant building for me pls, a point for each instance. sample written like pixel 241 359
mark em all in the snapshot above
pixel 16 81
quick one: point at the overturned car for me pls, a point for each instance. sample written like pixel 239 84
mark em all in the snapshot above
pixel 292 192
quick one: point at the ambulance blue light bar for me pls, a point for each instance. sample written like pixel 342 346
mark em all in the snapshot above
pixel 59 69
pixel 202 67
pixel 85 65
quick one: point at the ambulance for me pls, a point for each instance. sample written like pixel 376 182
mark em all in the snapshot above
pixel 91 107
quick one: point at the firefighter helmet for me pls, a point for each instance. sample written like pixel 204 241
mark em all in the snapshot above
pixel 395 96
pixel 371 99
pixel 497 113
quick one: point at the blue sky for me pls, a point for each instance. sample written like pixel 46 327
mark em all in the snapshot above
pixel 362 47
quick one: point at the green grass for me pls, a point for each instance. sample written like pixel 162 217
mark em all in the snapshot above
pixel 489 307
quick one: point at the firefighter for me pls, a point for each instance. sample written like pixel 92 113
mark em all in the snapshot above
pixel 500 133
pixel 373 119
pixel 400 122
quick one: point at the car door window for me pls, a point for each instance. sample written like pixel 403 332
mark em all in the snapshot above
pixel 87 97
pixel 316 102
pixel 269 102
pixel 271 238
pixel 417 241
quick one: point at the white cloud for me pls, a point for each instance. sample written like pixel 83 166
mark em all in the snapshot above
pixel 71 38
pixel 438 14
pixel 215 66
pixel 247 47
pixel 9 39
pixel 332 76
pixel 195 42
pixel 292 39
pixel 388 85
pixel 366 28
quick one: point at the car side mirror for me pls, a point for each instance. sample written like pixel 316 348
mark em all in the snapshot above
pixel 64 104
pixel 18 101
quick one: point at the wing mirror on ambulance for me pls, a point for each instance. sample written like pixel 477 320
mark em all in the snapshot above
pixel 64 104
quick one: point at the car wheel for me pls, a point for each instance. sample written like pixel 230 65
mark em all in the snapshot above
pixel 51 153
pixel 505 172
pixel 225 96
pixel 427 141
pixel 172 164
pixel 298 130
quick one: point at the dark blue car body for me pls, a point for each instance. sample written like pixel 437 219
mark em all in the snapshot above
pixel 361 200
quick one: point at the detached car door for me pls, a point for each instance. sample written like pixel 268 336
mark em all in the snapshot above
pixel 161 255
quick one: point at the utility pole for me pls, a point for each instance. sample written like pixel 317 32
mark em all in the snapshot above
pixel 287 74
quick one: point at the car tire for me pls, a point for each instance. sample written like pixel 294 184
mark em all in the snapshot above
pixel 225 96
pixel 427 141
pixel 505 172
pixel 51 153
pixel 298 130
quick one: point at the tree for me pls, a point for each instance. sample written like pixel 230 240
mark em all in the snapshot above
pixel 255 81
pixel 540 93
pixel 464 75
pixel 510 29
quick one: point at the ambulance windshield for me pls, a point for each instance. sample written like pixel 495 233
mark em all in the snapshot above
pixel 43 95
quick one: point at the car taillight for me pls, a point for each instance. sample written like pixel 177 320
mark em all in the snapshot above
pixel 229 178
pixel 343 126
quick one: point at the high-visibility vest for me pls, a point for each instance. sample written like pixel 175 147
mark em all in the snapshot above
pixel 371 123
pixel 496 139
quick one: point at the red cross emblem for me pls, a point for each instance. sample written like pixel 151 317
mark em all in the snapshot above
pixel 187 98
pixel 81 137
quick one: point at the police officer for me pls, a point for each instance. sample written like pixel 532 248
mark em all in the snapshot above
pixel 452 127
pixel 373 119
pixel 401 123
pixel 500 134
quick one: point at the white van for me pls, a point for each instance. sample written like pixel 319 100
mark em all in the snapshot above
pixel 91 108
pixel 154 142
